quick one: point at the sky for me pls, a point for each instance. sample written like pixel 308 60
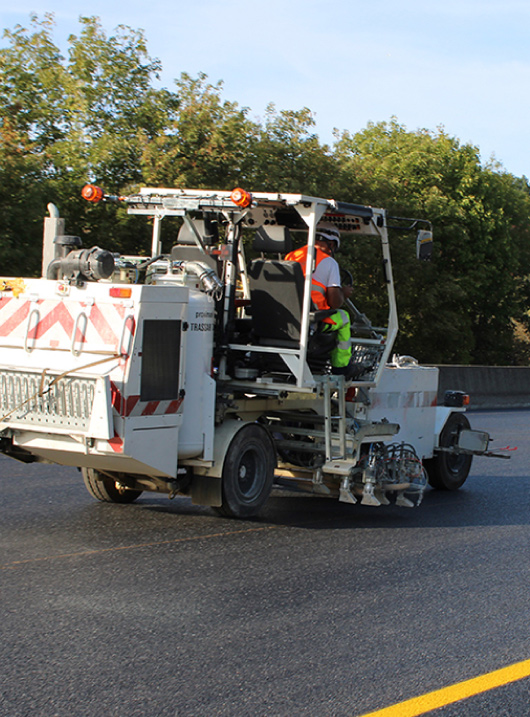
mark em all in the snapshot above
pixel 463 65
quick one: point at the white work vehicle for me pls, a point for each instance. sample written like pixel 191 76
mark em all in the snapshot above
pixel 198 373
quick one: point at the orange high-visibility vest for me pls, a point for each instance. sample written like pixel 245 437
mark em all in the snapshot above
pixel 318 290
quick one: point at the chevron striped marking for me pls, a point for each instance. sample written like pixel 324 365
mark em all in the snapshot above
pixel 103 324
pixel 15 319
pixel 131 406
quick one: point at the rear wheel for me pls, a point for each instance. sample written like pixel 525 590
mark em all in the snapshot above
pixel 248 472
pixel 103 487
pixel 448 471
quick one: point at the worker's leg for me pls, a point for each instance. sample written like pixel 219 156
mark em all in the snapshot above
pixel 340 322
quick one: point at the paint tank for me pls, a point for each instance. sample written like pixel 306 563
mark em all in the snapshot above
pixel 198 406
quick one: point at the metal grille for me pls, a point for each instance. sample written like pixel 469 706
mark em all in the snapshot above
pixel 366 358
pixel 67 404
pixel 160 360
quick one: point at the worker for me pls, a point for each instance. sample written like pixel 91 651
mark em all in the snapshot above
pixel 328 293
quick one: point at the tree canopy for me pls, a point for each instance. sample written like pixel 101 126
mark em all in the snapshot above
pixel 99 115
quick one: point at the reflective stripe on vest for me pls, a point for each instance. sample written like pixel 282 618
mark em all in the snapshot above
pixel 318 290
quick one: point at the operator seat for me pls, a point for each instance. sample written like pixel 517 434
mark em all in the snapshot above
pixel 277 294
pixel 186 248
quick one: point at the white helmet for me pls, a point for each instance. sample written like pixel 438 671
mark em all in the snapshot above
pixel 328 232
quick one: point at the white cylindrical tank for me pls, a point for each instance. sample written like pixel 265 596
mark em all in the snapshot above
pixel 198 407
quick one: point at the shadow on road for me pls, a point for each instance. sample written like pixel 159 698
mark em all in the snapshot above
pixel 483 501
pixel 58 502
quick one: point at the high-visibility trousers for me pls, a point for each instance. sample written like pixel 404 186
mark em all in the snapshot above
pixel 340 322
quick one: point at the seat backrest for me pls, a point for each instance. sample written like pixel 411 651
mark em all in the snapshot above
pixel 187 249
pixel 273 238
pixel 185 252
pixel 276 292
pixel 207 230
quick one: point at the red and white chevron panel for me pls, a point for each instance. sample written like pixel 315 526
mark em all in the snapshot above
pixel 52 323
pixel 132 406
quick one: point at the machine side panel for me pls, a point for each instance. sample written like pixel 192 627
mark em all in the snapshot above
pixel 407 396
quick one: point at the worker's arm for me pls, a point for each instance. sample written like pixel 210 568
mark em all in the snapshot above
pixel 337 295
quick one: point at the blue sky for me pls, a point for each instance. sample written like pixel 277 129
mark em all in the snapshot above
pixel 460 64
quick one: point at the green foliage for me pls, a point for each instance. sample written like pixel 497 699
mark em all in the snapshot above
pixel 288 156
pixel 459 307
pixel 20 175
pixel 207 143
pixel 96 115
pixel 31 80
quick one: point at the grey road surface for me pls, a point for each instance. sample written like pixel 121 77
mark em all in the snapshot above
pixel 316 608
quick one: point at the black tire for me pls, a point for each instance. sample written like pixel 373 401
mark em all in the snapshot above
pixel 104 488
pixel 448 471
pixel 248 472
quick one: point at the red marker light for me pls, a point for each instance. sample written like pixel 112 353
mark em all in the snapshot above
pixel 92 193
pixel 120 293
pixel 240 197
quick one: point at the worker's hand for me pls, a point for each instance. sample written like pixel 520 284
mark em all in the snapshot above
pixel 347 291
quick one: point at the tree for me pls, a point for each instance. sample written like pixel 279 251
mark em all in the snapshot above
pixel 459 308
pixel 288 155
pixel 97 116
pixel 87 118
pixel 22 191
pixel 31 80
pixel 208 142
pixel 30 122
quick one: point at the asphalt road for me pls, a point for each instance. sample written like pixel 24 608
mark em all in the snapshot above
pixel 316 608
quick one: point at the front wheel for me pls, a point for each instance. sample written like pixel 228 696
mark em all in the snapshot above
pixel 448 471
pixel 103 487
pixel 248 472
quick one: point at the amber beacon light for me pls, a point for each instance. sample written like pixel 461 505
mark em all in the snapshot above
pixel 92 193
pixel 240 197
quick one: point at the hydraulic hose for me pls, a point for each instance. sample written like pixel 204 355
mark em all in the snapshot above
pixel 212 285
